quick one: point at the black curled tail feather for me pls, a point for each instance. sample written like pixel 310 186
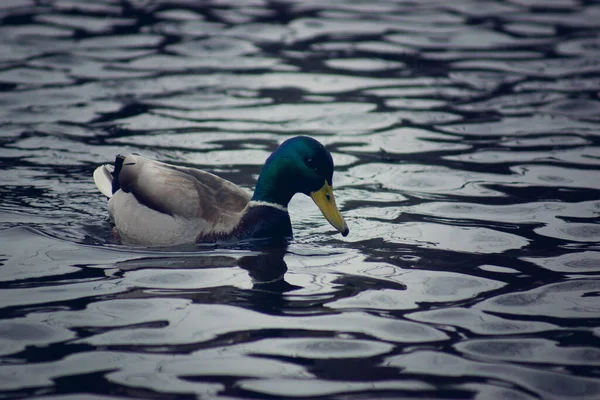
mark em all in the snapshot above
pixel 118 167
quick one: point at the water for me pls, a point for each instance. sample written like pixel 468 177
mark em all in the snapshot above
pixel 465 136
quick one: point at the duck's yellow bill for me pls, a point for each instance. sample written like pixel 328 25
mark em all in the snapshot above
pixel 324 199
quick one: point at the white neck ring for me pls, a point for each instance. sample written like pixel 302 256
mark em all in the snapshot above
pixel 255 203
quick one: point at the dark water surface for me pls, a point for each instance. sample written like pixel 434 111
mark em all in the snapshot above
pixel 466 140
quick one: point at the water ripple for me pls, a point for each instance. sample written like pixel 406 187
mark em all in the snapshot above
pixel 530 351
pixel 551 385
pixel 570 299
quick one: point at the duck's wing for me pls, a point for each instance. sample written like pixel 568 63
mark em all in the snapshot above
pixel 178 191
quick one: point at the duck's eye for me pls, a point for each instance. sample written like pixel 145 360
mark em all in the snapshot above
pixel 328 196
pixel 311 164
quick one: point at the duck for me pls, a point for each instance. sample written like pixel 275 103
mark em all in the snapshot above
pixel 151 203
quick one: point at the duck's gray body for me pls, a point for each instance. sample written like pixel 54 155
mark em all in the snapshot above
pixel 158 204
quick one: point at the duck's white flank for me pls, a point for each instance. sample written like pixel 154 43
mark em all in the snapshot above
pixel 255 203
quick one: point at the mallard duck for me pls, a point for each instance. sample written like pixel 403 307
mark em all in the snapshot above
pixel 156 204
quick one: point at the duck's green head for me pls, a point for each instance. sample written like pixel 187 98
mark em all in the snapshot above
pixel 300 165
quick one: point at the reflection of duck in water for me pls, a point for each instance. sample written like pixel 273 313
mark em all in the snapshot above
pixel 267 270
pixel 153 203
pixel 265 266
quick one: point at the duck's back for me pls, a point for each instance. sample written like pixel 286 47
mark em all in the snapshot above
pixel 154 203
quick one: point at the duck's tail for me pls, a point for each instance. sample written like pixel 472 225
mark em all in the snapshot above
pixel 106 177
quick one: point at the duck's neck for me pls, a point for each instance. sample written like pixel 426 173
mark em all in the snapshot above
pixel 273 186
pixel 266 215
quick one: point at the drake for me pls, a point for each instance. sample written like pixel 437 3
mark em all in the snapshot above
pixel 156 204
